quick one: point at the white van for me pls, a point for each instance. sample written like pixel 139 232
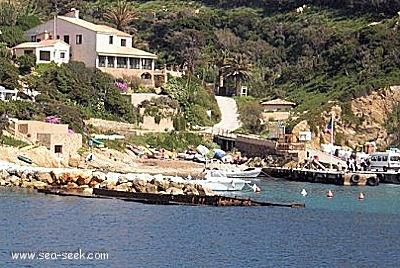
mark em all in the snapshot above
pixel 385 161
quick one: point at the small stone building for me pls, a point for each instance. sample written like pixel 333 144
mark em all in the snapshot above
pixel 56 137
pixel 277 109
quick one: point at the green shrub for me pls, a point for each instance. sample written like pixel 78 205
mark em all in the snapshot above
pixel 5 140
pixel 180 141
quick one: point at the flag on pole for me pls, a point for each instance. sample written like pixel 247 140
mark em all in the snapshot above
pixel 329 127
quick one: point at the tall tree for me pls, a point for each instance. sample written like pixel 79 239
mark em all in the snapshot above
pixel 237 68
pixel 227 41
pixel 121 15
pixel 187 44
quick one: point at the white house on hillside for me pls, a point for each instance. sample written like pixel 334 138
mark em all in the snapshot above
pixel 98 46
pixel 45 51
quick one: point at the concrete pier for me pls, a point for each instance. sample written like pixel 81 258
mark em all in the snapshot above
pixel 324 176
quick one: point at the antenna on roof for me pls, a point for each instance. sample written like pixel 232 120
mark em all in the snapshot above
pixel 55 21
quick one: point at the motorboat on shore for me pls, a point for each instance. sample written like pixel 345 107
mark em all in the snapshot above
pixel 216 180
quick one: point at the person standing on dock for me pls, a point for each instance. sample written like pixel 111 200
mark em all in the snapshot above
pixel 351 164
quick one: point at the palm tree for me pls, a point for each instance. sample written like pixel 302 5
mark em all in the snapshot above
pixel 237 68
pixel 121 15
pixel 227 41
pixel 220 61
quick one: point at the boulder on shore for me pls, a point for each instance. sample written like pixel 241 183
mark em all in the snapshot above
pixel 41 178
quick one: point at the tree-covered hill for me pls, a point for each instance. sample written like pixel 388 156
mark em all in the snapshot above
pixel 332 50
pixel 311 52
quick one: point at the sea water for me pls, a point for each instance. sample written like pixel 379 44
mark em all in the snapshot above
pixel 338 232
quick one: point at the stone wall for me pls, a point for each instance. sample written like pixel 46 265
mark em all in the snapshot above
pixel 150 124
pixel 130 129
pixel 253 146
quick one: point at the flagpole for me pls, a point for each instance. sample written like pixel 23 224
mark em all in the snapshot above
pixel 332 127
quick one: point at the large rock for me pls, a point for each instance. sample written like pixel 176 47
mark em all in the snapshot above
pixel 44 177
pixel 74 160
pixel 125 187
pixel 151 189
pixel 84 178
pixel 39 185
pixel 4 174
pixel 139 185
pixel 98 176
pixel 174 191
pixel 190 190
pixel 14 180
pixel 72 185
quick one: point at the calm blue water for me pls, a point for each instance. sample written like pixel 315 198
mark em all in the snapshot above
pixel 338 232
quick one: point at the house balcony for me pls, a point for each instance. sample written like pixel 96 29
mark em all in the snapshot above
pixel 122 67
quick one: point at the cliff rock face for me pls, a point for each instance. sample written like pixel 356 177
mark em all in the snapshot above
pixel 373 111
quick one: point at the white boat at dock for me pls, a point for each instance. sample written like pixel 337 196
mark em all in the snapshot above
pixel 235 171
pixel 250 172
pixel 216 180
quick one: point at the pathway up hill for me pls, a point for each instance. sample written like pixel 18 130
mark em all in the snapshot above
pixel 229 114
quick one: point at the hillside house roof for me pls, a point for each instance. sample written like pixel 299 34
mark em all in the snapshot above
pixel 44 43
pixel 278 102
pixel 125 51
pixel 94 27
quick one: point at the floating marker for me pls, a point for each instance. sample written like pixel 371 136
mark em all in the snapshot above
pixel 304 192
pixel 361 196
pixel 329 194
pixel 256 189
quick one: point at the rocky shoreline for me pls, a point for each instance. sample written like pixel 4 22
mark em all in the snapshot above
pixel 85 180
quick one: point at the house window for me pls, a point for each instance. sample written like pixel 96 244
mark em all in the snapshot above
pixel 147 64
pixel 78 39
pixel 110 62
pixel 58 37
pixel 123 42
pixel 28 52
pixel 122 62
pixel 62 55
pixel 33 38
pixel 111 40
pixel 102 61
pixel 134 63
pixel 58 149
pixel 44 55
pixel 66 39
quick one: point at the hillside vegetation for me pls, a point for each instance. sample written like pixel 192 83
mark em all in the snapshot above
pixel 315 53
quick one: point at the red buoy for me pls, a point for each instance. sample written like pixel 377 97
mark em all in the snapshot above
pixel 329 194
pixel 361 196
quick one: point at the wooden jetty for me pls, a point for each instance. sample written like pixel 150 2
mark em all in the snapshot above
pixel 168 199
pixel 325 176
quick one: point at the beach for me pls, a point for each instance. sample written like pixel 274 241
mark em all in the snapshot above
pixel 104 159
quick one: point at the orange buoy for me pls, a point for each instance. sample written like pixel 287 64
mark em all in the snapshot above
pixel 361 196
pixel 329 194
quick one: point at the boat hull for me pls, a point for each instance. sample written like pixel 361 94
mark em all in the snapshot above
pixel 221 186
pixel 253 173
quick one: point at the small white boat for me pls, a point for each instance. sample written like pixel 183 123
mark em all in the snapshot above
pixel 233 171
pixel 216 180
pixel 251 172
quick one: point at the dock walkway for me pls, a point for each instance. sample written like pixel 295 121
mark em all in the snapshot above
pixel 327 176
